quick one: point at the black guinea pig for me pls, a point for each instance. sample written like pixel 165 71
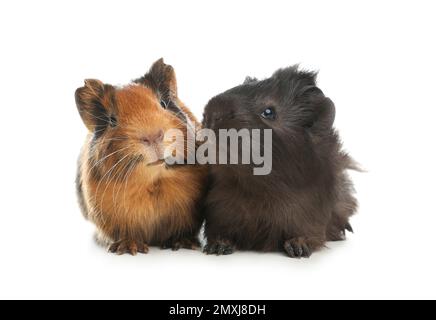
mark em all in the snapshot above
pixel 307 197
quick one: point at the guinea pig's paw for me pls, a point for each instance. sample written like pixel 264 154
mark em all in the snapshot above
pixel 297 248
pixel 131 247
pixel 219 248
pixel 340 233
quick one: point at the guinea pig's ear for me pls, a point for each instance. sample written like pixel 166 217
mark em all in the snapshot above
pixel 90 103
pixel 313 110
pixel 318 110
pixel 164 78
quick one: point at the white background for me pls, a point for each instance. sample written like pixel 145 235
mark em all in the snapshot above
pixel 376 61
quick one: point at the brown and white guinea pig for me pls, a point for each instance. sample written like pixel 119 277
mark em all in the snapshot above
pixel 124 185
pixel 307 198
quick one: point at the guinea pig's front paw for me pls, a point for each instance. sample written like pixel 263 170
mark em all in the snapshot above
pixel 185 243
pixel 297 248
pixel 128 246
pixel 219 247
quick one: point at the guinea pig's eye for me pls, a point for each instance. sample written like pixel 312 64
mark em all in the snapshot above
pixel 269 114
pixel 113 121
pixel 163 104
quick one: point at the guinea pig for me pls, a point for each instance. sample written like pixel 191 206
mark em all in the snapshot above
pixel 125 186
pixel 307 198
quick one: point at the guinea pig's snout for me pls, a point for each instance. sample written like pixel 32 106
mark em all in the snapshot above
pixel 154 138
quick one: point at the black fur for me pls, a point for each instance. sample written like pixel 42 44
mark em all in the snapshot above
pixel 307 199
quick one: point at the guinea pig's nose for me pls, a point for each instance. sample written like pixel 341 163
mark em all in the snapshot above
pixel 155 138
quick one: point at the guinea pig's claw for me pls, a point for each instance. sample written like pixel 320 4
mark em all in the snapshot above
pixel 348 227
pixel 297 248
pixel 219 248
pixel 208 249
pixel 128 247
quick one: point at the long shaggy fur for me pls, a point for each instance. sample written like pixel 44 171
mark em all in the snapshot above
pixel 308 197
pixel 133 200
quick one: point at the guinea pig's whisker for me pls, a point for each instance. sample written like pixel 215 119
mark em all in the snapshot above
pixel 106 140
pixel 127 168
pixel 106 157
pixel 111 175
pixel 108 174
pixel 108 179
pixel 127 178
pixel 103 141
pixel 96 117
pixel 182 113
pixel 122 173
pixel 111 139
pixel 96 146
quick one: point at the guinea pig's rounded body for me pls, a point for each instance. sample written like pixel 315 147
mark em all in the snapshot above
pixel 125 187
pixel 307 198
pixel 153 206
